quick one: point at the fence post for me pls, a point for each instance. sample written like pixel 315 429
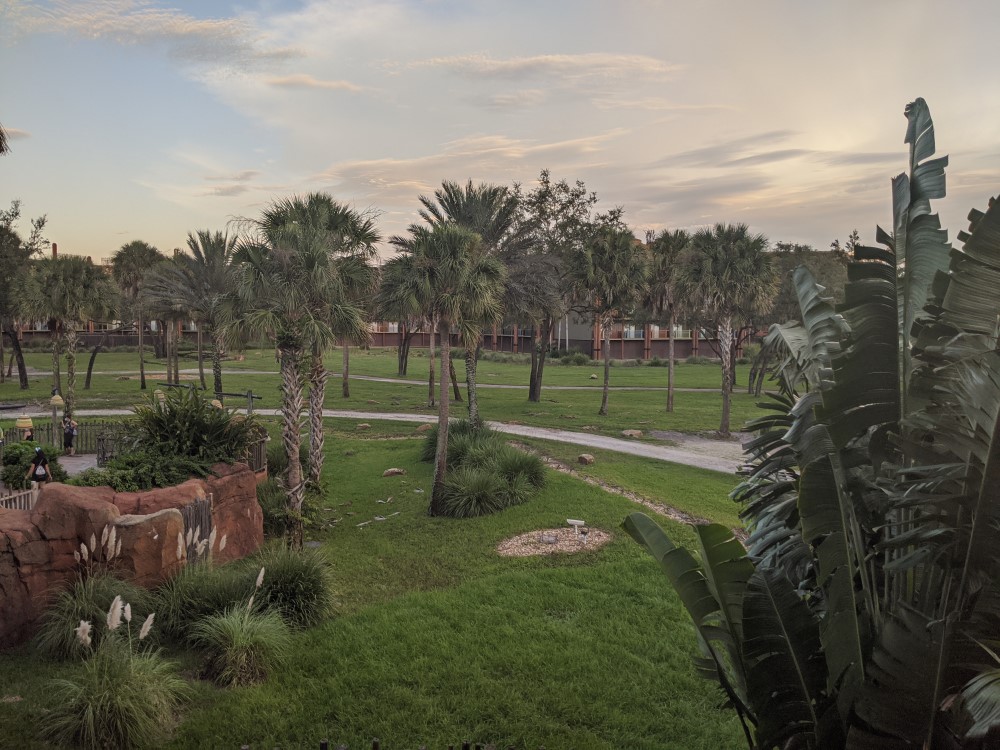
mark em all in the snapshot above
pixel 249 401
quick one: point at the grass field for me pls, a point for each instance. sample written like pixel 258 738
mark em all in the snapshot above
pixel 437 638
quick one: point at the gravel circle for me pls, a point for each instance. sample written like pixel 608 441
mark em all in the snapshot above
pixel 526 545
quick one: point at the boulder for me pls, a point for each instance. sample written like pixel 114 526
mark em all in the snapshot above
pixel 236 514
pixel 394 472
pixel 362 426
pixel 73 513
pixel 149 546
pixel 593 376
pixel 632 433
pixel 585 458
pixel 424 427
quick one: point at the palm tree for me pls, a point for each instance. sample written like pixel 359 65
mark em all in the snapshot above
pixel 70 290
pixel 494 213
pixel 662 302
pixel 726 278
pixel 168 293
pixel 445 271
pixel 129 266
pixel 288 286
pixel 610 274
pixel 4 146
pixel 350 238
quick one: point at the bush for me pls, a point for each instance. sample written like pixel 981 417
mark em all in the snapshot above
pixel 87 599
pixel 197 592
pixel 143 470
pixel 455 429
pixel 120 699
pixel 241 645
pixel 696 359
pixel 272 499
pixel 471 491
pixel 575 358
pixel 17 458
pixel 277 459
pixel 298 585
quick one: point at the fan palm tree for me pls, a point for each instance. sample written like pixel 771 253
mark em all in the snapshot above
pixel 170 294
pixel 350 238
pixel 288 286
pixel 662 302
pixel 4 146
pixel 494 213
pixel 445 272
pixel 610 274
pixel 129 266
pixel 727 280
pixel 69 291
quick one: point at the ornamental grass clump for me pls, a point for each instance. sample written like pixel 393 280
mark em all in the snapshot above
pixel 243 644
pixel 471 491
pixel 125 696
pixel 196 592
pixel 298 585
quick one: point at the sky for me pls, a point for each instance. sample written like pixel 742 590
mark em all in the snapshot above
pixel 141 119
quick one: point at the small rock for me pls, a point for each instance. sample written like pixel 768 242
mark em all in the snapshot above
pixel 593 376
pixel 424 427
pixel 585 458
pixel 123 377
pixel 632 433
pixel 394 472
pixel 313 545
pixel 373 401
pixel 363 426
pixel 379 518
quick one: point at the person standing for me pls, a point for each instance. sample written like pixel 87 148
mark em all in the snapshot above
pixel 69 434
pixel 38 471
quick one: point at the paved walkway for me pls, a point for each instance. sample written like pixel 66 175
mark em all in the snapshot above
pixel 703 460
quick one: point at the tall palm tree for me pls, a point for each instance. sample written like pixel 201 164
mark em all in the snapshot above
pixel 494 213
pixel 350 238
pixel 129 266
pixel 662 302
pixel 610 274
pixel 170 295
pixel 4 146
pixel 70 291
pixel 727 279
pixel 446 270
pixel 288 286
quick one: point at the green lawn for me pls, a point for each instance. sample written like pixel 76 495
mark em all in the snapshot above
pixel 438 639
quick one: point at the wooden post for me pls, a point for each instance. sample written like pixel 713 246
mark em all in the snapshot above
pixel 595 345
pixel 514 342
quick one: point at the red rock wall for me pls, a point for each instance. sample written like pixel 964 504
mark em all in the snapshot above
pixel 37 546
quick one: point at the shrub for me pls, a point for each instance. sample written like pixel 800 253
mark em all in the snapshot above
pixel 471 491
pixel 17 458
pixel 512 463
pixel 455 429
pixel 696 359
pixel 297 584
pixel 272 498
pixel 241 645
pixel 87 599
pixel 120 699
pixel 575 358
pixel 277 459
pixel 198 591
pixel 143 470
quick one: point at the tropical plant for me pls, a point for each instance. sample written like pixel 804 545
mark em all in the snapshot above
pixel 726 277
pixel 290 286
pixel 68 291
pixel 298 584
pixel 865 612
pixel 129 266
pixel 662 303
pixel 609 274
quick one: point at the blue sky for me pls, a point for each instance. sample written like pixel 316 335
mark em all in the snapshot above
pixel 140 119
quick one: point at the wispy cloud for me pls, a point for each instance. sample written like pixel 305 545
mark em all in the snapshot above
pixel 227 190
pixel 768 157
pixel 581 66
pixel 653 104
pixel 306 81
pixel 16 133
pixel 517 99
pixel 229 41
pixel 726 151
pixel 245 176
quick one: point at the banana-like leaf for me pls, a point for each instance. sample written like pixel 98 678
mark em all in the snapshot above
pixel 786 673
pixel 981 701
pixel 717 620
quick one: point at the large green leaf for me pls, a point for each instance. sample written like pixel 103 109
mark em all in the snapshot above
pixel 981 700
pixel 786 673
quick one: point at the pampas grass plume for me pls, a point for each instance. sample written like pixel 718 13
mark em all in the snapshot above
pixel 146 626
pixel 115 613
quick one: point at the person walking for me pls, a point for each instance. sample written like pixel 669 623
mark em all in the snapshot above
pixel 38 471
pixel 69 435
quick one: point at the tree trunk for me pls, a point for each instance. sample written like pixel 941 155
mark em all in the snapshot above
pixel 453 376
pixel 217 346
pixel 430 356
pixel 471 367
pixel 142 357
pixel 2 378
pixel 345 385
pixel 70 397
pixel 533 372
pixel 178 336
pixel 18 355
pixel 317 396
pixel 538 363
pixel 201 359
pixel 441 454
pixel 403 351
pixel 93 358
pixel 606 353
pixel 291 438
pixel 670 362
pixel 56 348
pixel 725 354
